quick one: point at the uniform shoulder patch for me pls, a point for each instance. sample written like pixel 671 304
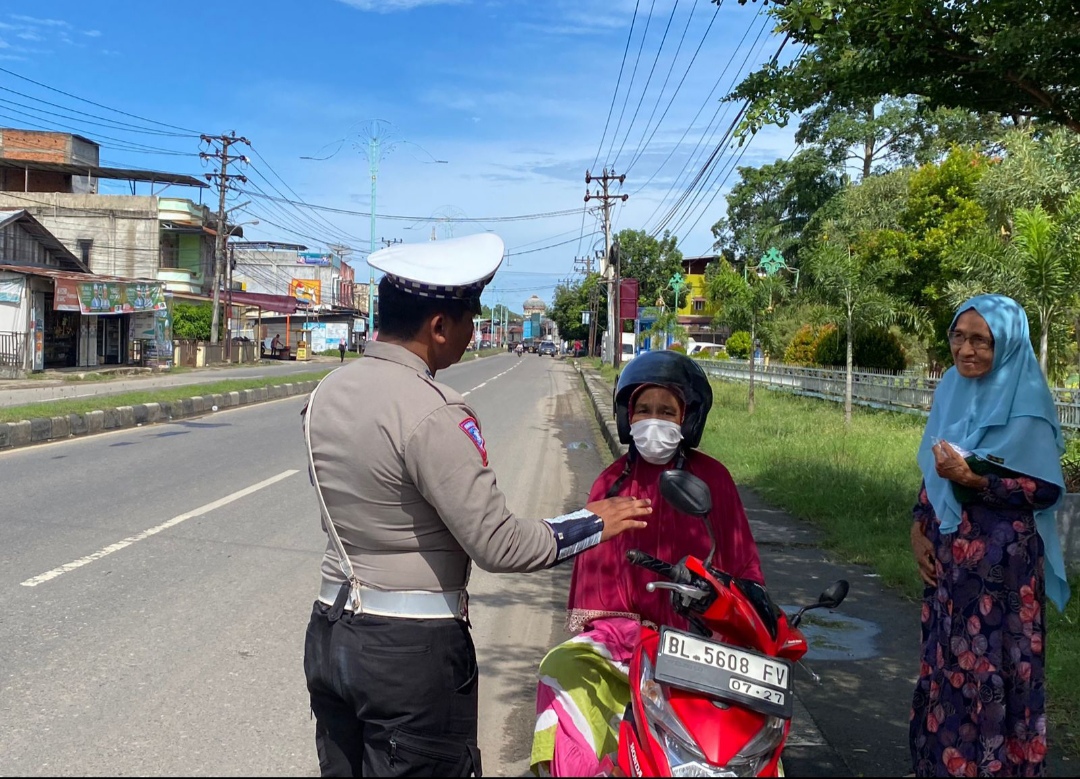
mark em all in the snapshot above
pixel 471 428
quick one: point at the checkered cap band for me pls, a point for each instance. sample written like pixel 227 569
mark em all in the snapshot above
pixel 440 292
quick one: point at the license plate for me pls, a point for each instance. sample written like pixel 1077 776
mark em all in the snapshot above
pixel 760 683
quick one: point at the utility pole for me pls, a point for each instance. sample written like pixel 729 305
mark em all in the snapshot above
pixel 608 269
pixel 224 142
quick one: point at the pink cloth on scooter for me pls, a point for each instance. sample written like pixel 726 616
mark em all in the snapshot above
pixel 605 584
pixel 582 693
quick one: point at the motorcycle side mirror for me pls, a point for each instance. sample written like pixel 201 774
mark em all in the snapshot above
pixel 686 492
pixel 834 595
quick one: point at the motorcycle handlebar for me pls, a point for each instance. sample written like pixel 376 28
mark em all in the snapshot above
pixel 675 573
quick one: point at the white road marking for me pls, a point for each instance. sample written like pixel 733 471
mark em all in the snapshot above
pixel 55 572
pixel 478 386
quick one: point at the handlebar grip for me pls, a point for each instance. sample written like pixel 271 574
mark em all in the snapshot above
pixel 637 557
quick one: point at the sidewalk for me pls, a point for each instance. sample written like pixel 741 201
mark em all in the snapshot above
pixel 854 722
pixel 19 392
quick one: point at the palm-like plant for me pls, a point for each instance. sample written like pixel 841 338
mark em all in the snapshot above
pixel 748 303
pixel 1039 265
pixel 851 282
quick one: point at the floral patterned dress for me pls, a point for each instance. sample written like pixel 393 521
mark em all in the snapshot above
pixel 979 703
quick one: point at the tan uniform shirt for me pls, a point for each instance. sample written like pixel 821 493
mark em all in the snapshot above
pixel 405 478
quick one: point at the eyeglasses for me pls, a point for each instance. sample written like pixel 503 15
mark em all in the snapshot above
pixel 979 343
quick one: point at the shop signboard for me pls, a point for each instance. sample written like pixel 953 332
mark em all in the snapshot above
pixel 107 297
pixel 313 258
pixel 306 290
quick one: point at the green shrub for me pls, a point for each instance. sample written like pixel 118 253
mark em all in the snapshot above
pixel 738 345
pixel 677 347
pixel 802 347
pixel 876 349
pixel 192 321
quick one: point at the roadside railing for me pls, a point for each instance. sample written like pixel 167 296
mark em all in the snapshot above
pixel 893 392
pixel 13 351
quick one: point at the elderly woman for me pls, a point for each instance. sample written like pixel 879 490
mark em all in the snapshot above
pixel 986 544
pixel 661 404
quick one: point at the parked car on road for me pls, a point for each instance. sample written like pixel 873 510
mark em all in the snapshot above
pixel 548 347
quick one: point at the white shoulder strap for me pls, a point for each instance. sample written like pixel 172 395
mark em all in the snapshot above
pixel 328 523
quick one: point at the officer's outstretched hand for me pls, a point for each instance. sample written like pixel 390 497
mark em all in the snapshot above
pixel 620 513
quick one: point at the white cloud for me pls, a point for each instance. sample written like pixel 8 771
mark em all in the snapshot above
pixel 40 22
pixel 390 6
pixel 92 33
pixel 29 36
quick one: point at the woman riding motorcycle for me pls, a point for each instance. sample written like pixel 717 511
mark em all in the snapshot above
pixel 661 404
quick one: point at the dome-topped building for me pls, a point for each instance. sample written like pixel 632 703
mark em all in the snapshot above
pixel 534 305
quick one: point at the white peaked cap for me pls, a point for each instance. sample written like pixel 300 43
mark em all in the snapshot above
pixel 457 268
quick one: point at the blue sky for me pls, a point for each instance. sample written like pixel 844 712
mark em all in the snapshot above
pixel 513 95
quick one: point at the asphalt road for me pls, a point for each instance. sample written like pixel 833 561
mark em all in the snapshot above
pixel 155 585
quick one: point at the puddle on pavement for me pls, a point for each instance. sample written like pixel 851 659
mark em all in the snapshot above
pixel 578 445
pixel 833 635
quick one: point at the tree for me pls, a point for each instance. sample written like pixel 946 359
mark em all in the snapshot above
pixel 1034 169
pixel 940 214
pixel 771 206
pixel 1012 57
pixel 876 137
pixel 571 301
pixel 651 261
pixel 854 282
pixel 745 302
pixel 1039 267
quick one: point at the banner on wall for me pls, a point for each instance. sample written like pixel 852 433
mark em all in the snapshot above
pixel 107 297
pixel 11 290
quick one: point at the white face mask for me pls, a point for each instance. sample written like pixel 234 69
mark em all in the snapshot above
pixel 656 440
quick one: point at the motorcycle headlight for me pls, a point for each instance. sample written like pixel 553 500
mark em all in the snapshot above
pixel 683 754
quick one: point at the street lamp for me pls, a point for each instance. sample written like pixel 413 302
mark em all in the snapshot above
pixel 228 288
pixel 381 141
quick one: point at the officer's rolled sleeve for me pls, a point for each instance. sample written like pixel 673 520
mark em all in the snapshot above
pixel 448 468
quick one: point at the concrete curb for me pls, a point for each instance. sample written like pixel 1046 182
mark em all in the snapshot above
pixel 42 430
pixel 600 397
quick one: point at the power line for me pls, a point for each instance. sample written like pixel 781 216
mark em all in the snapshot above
pixel 708 127
pixel 644 143
pixel 633 74
pixel 300 199
pixel 400 217
pixel 122 144
pixel 645 89
pixel 714 156
pixel 514 253
pixel 615 95
pixel 115 124
pixel 98 105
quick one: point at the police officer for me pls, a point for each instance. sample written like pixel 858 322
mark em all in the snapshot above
pixel 408 500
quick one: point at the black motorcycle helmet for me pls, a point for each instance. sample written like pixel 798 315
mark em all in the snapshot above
pixel 666 369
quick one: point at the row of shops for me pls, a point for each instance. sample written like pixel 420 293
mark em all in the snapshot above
pixel 64 319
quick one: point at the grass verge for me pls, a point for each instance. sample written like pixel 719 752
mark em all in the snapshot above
pixel 56 408
pixel 858 485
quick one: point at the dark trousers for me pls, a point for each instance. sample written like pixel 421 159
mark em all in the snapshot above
pixel 392 697
pixel 342 353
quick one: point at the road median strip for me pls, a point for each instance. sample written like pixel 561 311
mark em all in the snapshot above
pixel 23 426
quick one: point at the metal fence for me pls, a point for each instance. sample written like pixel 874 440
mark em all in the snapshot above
pixel 13 351
pixel 894 392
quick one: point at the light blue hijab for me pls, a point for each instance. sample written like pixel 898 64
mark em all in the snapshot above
pixel 1008 414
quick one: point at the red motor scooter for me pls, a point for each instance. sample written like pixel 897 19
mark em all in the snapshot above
pixel 715 700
